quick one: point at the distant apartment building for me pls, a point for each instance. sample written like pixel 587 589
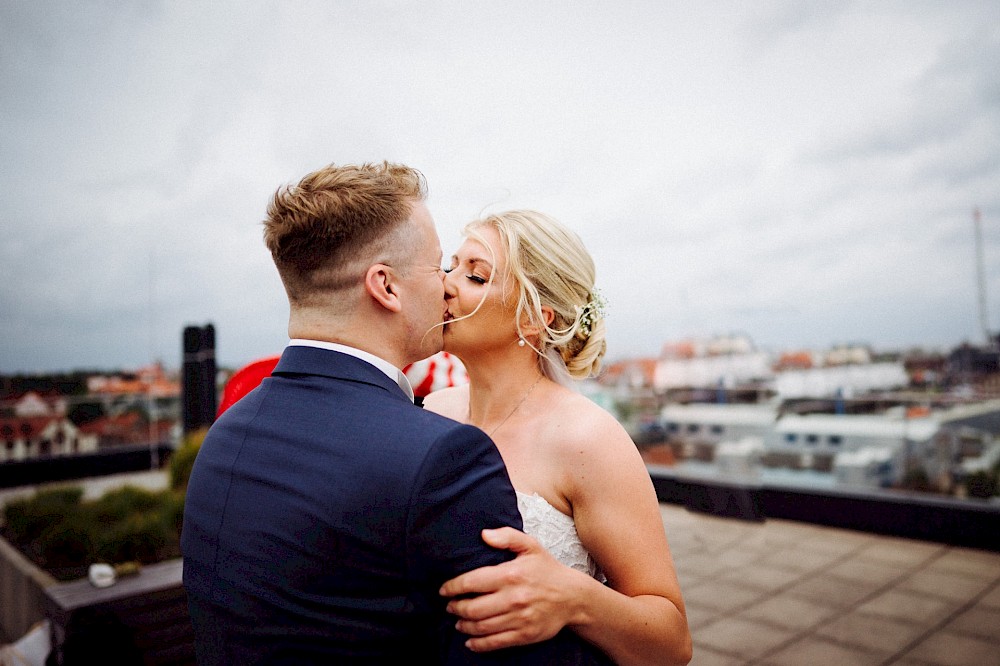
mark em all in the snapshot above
pixel 732 362
pixel 720 362
pixel 877 448
pixel 700 425
pixel 839 380
pixel 856 449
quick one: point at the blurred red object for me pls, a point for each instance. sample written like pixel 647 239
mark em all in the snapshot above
pixel 435 372
pixel 431 374
pixel 245 380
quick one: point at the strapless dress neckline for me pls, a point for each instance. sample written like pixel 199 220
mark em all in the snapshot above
pixel 556 532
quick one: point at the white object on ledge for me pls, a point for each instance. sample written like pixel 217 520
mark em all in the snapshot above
pixel 101 575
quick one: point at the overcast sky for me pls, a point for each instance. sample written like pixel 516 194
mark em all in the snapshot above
pixel 803 173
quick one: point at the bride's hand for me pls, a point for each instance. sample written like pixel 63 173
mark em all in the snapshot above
pixel 526 600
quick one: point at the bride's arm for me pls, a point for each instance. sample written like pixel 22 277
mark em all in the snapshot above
pixel 638 618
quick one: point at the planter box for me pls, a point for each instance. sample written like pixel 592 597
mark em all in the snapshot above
pixel 22 593
pixel 141 619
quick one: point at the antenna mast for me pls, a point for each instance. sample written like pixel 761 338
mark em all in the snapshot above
pixel 980 276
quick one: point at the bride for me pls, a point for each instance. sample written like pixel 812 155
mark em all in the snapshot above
pixel 525 319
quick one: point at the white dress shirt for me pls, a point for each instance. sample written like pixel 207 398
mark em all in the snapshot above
pixel 391 371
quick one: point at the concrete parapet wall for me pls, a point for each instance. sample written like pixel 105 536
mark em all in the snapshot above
pixel 969 523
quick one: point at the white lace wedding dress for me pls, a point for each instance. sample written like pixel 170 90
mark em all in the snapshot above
pixel 557 532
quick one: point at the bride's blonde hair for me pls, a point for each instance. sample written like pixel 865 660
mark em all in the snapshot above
pixel 551 267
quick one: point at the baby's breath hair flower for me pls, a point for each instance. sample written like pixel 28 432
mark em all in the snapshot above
pixel 593 309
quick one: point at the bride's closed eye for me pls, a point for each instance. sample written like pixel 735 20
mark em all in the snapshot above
pixel 477 279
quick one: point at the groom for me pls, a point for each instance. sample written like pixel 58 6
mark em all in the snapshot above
pixel 325 511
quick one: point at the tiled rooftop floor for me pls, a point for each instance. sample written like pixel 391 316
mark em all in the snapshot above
pixel 788 593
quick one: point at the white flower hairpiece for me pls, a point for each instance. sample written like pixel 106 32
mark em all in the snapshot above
pixel 591 310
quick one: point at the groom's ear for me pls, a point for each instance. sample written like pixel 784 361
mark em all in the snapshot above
pixel 382 285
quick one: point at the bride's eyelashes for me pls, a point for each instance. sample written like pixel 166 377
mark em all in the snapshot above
pixel 470 264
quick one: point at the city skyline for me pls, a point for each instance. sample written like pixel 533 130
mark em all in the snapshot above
pixel 802 175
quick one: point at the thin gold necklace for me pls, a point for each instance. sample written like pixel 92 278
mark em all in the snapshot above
pixel 516 407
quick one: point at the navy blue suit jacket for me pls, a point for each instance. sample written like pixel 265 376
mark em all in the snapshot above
pixel 323 513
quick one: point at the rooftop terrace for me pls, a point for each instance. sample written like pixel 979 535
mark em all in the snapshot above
pixel 777 591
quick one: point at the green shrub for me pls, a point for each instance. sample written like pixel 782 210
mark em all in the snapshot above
pixel 982 485
pixel 141 537
pixel 65 545
pixel 172 510
pixel 27 518
pixel 182 459
pixel 64 535
pixel 116 505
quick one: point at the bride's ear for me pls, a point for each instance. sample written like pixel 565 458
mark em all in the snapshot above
pixel 381 285
pixel 529 328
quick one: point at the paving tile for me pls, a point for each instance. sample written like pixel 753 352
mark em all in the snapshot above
pixel 684 553
pixel 784 533
pixel 818 652
pixel 788 612
pixel 872 575
pixel 900 552
pixel 697 566
pixel 979 622
pixel 706 657
pixel 738 558
pixel 909 607
pixel 945 584
pixel 765 578
pixel 992 598
pixel 971 562
pixel 948 649
pixel 839 542
pixel 688 579
pixel 699 616
pixel 721 596
pixel 830 590
pixel 675 512
pixel 799 560
pixel 875 634
pixel 742 638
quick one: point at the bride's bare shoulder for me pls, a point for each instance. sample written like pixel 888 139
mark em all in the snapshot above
pixel 452 402
pixel 583 423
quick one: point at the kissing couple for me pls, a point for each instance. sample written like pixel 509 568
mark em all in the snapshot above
pixel 510 521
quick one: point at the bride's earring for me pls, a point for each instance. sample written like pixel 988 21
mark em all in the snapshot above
pixel 520 342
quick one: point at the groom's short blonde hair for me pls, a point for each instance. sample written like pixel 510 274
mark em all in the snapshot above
pixel 324 231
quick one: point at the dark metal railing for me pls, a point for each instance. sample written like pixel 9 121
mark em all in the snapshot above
pixel 85 465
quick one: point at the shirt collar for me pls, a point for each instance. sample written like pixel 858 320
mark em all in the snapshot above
pixel 391 371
